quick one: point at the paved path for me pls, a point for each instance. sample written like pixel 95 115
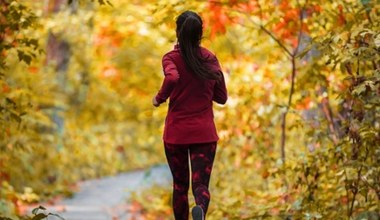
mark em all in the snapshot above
pixel 106 198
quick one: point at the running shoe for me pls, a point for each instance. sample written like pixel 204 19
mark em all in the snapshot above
pixel 197 213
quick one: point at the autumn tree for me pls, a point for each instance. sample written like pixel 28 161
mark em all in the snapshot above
pixel 293 67
pixel 106 121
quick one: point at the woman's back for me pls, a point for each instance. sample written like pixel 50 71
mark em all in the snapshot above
pixel 190 114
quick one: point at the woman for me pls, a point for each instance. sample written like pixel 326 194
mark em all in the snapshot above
pixel 193 80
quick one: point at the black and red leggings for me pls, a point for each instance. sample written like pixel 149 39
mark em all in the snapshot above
pixel 201 158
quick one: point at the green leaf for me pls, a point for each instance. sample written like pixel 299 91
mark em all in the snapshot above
pixel 20 55
pixel 39 216
pixel 10 101
pixel 340 173
pixel 35 210
pixel 359 89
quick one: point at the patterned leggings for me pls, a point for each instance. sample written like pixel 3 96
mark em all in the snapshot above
pixel 202 158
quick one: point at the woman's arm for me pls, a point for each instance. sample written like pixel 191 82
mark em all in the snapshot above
pixel 220 91
pixel 170 80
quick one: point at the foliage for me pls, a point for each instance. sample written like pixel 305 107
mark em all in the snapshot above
pixel 157 199
pixel 299 135
pixel 331 171
pixel 107 126
pixel 14 19
pixel 38 214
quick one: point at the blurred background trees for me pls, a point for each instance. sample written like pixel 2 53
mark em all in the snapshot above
pixel 299 135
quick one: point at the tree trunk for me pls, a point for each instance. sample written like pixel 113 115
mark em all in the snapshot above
pixel 58 54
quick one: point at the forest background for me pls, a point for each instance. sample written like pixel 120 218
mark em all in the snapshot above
pixel 300 134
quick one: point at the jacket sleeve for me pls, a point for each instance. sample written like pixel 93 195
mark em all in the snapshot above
pixel 170 80
pixel 220 91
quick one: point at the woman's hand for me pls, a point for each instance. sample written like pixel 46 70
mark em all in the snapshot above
pixel 154 102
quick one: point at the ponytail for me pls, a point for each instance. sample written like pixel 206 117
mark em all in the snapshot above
pixel 189 34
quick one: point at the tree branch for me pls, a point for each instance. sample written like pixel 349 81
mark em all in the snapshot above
pixel 287 51
pixel 263 28
pixel 293 76
pixel 328 114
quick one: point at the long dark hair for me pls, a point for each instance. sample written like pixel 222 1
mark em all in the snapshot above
pixel 189 34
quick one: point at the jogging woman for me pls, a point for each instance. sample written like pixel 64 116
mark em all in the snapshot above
pixel 193 80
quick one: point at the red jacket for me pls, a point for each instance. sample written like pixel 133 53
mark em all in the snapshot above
pixel 190 117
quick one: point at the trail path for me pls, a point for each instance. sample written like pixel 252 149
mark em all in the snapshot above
pixel 106 198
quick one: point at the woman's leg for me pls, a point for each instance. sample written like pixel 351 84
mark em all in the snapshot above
pixel 178 160
pixel 202 158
